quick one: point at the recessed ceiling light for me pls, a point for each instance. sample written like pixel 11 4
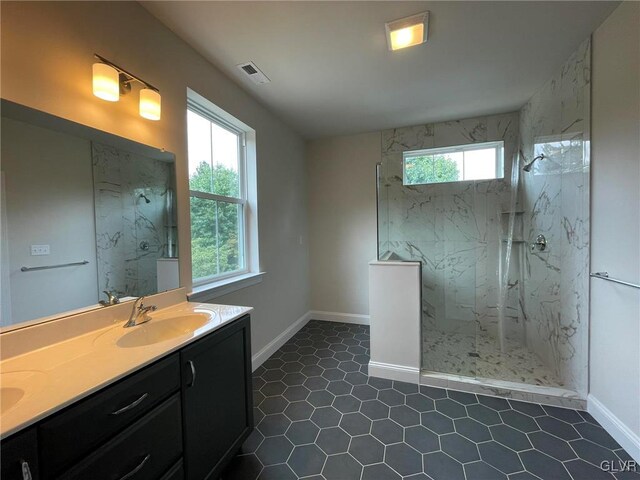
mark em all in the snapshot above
pixel 408 31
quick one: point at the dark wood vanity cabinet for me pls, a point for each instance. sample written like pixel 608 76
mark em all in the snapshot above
pixel 183 417
pixel 218 409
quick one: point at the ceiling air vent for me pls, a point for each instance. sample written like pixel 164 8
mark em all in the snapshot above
pixel 252 71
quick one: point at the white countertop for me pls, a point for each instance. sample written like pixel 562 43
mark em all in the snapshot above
pixel 57 375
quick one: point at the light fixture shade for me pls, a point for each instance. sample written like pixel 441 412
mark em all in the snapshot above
pixel 106 82
pixel 408 31
pixel 150 104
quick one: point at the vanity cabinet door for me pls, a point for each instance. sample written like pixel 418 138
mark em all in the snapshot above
pixel 217 401
pixel 19 457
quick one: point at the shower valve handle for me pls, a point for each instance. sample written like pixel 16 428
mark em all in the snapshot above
pixel 540 244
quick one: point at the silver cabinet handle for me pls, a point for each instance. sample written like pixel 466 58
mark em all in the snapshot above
pixel 193 373
pixel 138 468
pixel 131 405
pixel 26 471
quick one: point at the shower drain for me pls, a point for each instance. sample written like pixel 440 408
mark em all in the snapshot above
pixel 474 354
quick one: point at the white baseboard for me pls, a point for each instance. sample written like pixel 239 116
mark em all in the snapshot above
pixel 394 372
pixel 270 348
pixel 340 317
pixel 612 424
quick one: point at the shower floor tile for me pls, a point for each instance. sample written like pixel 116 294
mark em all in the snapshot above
pixel 480 356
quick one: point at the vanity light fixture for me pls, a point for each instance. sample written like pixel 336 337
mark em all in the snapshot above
pixel 408 31
pixel 111 81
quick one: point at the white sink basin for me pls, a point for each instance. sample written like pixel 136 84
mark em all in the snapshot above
pixel 156 331
pixel 14 386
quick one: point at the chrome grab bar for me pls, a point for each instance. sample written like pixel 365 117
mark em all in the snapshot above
pixel 47 267
pixel 605 276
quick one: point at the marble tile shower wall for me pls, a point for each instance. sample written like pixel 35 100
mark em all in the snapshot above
pixel 130 233
pixel 454 229
pixel 555 196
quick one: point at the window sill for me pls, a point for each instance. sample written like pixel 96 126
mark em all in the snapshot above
pixel 209 291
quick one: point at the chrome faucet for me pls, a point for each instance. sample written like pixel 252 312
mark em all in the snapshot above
pixel 139 310
pixel 112 299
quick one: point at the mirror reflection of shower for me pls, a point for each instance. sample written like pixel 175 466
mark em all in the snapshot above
pixel 528 166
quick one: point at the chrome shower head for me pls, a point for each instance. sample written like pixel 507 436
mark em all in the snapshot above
pixel 142 195
pixel 528 166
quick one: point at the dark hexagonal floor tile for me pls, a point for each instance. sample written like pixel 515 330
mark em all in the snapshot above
pixel 464 398
pixel 252 442
pixel 320 398
pixel 274 450
pixel 355 424
pixel 307 350
pixel 482 471
pixel 349 366
pixel 380 383
pixel 312 371
pixel 316 383
pixel 326 417
pixel 597 435
pixel 484 415
pixel 307 460
pixel 257 398
pixel 357 350
pixel 301 410
pixel 379 472
pixel 557 427
pixel 339 387
pixel 423 440
pixel 296 393
pixel 273 405
pixel 346 404
pixel 437 422
pixel 579 469
pixel 564 414
pixel 366 449
pixel 257 383
pixel 362 359
pixel 450 408
pixel 343 356
pixel 333 440
pixel 272 425
pixel 405 416
pixel 328 362
pixel 273 375
pixel 292 367
pixel 419 402
pixel 356 378
pixel 434 393
pixel 374 409
pixel 243 467
pixel 403 459
pixel 303 432
pixel 502 458
pixel 333 374
pixel 552 446
pixel 387 431
pixel 364 392
pixel 440 466
pixel 497 403
pixel 291 379
pixel 460 448
pixel 592 452
pixel 309 360
pixel 404 387
pixel 543 466
pixel 338 347
pixel 273 363
pixel 391 397
pixel 341 467
pixel 291 357
pixel 277 472
pixel 471 429
pixel 531 409
pixel 519 421
pixel 510 437
pixel 270 389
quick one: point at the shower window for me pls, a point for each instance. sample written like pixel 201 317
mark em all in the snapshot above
pixel 475 161
pixel 218 196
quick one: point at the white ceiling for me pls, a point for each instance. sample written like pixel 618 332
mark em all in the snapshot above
pixel 331 72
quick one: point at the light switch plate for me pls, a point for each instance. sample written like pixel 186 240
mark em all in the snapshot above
pixel 40 250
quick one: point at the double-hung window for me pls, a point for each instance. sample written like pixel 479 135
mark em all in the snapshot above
pixel 218 191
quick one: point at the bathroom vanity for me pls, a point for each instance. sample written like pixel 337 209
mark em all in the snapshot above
pixel 167 399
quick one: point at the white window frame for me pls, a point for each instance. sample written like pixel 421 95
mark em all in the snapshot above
pixel 201 110
pixel 499 163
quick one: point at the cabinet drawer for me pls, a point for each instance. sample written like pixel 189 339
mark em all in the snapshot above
pixel 19 456
pixel 80 429
pixel 145 451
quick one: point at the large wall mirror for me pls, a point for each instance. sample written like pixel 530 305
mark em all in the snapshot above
pixel 82 212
